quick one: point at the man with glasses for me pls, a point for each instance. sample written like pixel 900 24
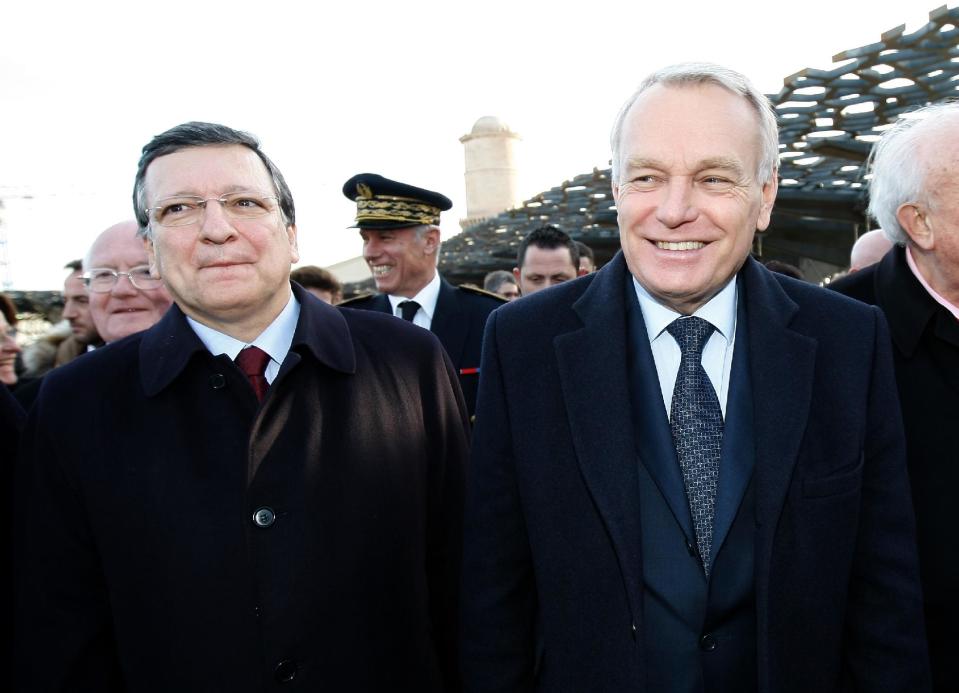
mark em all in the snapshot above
pixel 124 297
pixel 261 489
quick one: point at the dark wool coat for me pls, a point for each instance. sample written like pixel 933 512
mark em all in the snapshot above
pixel 176 536
pixel 553 563
pixel 925 348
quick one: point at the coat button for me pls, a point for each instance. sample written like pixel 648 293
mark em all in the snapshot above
pixel 263 517
pixel 217 381
pixel 707 643
pixel 285 671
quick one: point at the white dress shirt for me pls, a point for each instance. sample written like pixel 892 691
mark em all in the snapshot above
pixel 720 312
pixel 427 298
pixel 275 340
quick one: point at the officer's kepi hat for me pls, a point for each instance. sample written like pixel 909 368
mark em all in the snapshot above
pixel 382 203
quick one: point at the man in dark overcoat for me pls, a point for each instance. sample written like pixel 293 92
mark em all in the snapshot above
pixel 399 225
pixel 261 490
pixel 688 473
pixel 914 196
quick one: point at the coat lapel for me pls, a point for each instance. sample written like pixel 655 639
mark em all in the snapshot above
pixel 782 365
pixel 593 376
pixel 653 438
pixel 910 310
pixel 381 302
pixel 738 455
pixel 447 324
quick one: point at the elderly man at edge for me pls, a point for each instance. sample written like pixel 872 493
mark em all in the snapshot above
pixel 914 197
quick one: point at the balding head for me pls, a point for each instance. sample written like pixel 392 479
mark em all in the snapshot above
pixel 123 309
pixel 868 249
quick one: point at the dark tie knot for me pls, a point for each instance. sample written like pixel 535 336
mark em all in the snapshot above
pixel 691 334
pixel 409 309
pixel 252 361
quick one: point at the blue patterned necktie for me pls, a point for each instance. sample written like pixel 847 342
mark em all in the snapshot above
pixel 696 421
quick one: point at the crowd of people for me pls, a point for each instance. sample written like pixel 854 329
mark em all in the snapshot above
pixel 682 472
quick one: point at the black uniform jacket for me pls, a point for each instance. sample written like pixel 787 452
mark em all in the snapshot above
pixel 176 536
pixel 458 323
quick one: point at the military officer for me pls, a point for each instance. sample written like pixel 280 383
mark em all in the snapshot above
pixel 399 225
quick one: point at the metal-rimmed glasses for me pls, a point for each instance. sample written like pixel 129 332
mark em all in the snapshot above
pixel 184 210
pixel 102 279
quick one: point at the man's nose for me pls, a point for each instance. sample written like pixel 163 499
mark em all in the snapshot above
pixel 123 287
pixel 678 206
pixel 215 225
pixel 371 249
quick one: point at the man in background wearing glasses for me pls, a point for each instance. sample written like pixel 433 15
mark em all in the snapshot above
pixel 124 297
pixel 267 490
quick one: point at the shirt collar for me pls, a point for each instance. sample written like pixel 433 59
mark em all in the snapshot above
pixel 938 298
pixel 426 297
pixel 275 340
pixel 719 311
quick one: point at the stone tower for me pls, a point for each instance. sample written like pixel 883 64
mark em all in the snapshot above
pixel 491 174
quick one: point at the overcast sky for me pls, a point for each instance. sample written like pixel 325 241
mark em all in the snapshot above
pixel 385 87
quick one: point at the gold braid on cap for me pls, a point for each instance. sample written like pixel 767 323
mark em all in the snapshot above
pixel 389 208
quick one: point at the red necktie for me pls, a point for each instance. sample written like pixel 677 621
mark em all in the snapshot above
pixel 252 361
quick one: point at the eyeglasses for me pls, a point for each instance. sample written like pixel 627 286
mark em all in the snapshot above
pixel 102 280
pixel 184 210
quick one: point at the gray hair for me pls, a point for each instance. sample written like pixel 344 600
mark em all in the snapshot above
pixel 686 74
pixel 898 172
pixel 197 134
pixel 423 229
pixel 421 232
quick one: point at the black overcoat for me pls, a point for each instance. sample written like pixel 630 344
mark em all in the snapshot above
pixel 553 562
pixel 925 347
pixel 176 536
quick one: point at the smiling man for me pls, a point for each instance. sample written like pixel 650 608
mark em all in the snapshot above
pixel 217 503
pixel 124 298
pixel 688 473
pixel 399 225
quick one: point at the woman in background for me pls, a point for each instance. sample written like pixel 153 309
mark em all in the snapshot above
pixel 8 342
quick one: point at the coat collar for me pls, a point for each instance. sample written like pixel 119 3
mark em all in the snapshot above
pixel 908 306
pixel 167 347
pixel 782 370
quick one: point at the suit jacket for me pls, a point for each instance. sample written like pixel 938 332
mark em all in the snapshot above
pixel 925 347
pixel 458 323
pixel 176 535
pixel 553 567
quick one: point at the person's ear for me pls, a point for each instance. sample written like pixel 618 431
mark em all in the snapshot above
pixel 914 220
